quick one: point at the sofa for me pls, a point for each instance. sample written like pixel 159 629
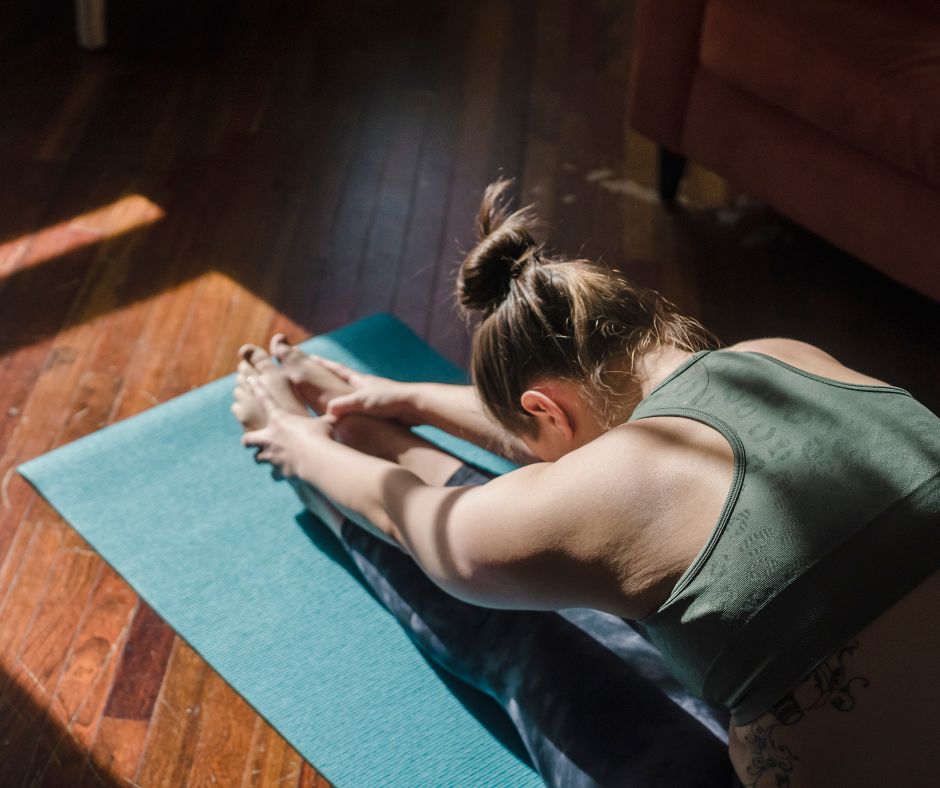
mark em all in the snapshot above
pixel 827 110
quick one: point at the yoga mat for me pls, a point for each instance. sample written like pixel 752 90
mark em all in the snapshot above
pixel 262 591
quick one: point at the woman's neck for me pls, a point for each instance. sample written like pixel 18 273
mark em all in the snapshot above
pixel 655 365
pixel 633 383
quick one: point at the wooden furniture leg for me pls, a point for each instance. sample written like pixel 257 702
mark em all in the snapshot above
pixel 90 24
pixel 671 168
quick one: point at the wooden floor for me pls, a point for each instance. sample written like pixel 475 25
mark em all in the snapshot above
pixel 225 170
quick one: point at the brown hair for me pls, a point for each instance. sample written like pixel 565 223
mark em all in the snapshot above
pixel 549 316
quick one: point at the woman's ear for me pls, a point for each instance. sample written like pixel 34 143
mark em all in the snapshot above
pixel 549 414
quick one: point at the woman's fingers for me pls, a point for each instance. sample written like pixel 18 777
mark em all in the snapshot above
pixel 343 404
pixel 253 438
pixel 328 418
pixel 259 438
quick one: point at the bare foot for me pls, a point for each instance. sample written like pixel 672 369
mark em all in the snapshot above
pixel 257 363
pixel 315 384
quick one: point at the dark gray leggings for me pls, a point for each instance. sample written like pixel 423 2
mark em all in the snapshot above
pixel 591 700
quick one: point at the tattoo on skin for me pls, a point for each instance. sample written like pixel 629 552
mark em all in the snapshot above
pixel 828 684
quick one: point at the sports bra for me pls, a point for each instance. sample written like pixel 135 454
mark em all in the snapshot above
pixel 833 515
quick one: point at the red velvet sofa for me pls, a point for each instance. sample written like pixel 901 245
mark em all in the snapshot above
pixel 828 110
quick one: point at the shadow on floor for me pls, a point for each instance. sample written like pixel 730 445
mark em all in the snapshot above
pixel 36 751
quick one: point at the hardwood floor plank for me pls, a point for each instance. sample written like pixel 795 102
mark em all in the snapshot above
pixel 311 778
pixel 45 652
pixel 117 747
pixel 489 42
pixel 136 683
pixel 171 742
pixel 322 138
pixel 22 546
pixel 91 663
pixel 271 760
pixel 80 99
pixel 426 246
pixel 325 170
pixel 129 700
pixel 225 735
pixel 29 581
pixel 143 378
pixel 335 296
pixel 386 237
pixel 22 627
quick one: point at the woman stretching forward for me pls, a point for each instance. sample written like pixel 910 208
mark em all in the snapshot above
pixel 767 516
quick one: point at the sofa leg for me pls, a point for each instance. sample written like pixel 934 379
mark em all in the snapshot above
pixel 90 23
pixel 671 167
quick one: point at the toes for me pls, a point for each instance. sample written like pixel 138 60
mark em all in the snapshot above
pixel 256 362
pixel 240 412
pixel 242 397
pixel 246 409
pixel 256 357
pixel 279 346
pixel 285 352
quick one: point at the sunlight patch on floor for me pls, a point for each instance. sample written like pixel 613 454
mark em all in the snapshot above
pixel 121 216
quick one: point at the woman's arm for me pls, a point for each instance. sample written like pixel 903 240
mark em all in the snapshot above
pixel 528 539
pixel 331 514
pixel 458 410
pixel 451 532
pixel 452 408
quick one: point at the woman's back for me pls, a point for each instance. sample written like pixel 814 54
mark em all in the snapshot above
pixel 829 522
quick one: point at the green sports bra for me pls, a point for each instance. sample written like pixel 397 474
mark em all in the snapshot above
pixel 833 515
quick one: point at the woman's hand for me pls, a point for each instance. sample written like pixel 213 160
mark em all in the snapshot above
pixel 372 395
pixel 288 441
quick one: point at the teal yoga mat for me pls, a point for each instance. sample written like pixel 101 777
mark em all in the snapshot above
pixel 227 556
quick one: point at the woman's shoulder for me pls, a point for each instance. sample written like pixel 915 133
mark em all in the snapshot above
pixel 806 357
pixel 775 345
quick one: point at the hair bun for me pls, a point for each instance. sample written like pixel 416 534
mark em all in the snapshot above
pixel 505 245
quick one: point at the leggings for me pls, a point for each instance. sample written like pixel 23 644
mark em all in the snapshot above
pixel 591 700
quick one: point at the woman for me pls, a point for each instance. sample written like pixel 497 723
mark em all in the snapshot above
pixel 767 515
